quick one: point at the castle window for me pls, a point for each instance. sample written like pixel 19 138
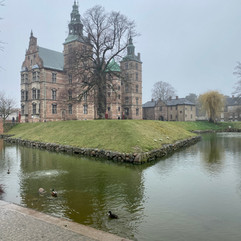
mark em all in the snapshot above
pixel 38 94
pixel 22 109
pixel 37 77
pixel 127 76
pixel 137 111
pixel 126 111
pixel 70 109
pixel 119 97
pixel 136 76
pixel 26 78
pixel 22 95
pixel 34 94
pixel 126 88
pixel 70 79
pixel 54 77
pixel 126 100
pixel 108 108
pixel 118 87
pixel 26 95
pixel 53 94
pixel 85 96
pixel 22 78
pixel 70 94
pixel 160 108
pixel 171 117
pixel 137 88
pixel 137 100
pixel 54 108
pixel 136 66
pixel 85 109
pixel 34 76
pixel 34 108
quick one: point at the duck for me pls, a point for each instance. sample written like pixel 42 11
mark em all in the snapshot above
pixel 41 190
pixel 54 193
pixel 112 215
pixel 8 172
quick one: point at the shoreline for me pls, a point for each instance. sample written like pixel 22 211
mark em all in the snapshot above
pixel 133 158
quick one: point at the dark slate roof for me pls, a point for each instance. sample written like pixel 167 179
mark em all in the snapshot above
pixel 51 59
pixel 174 102
pixel 179 101
pixel 232 101
pixel 149 104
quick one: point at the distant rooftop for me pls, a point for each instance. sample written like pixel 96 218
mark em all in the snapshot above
pixel 172 102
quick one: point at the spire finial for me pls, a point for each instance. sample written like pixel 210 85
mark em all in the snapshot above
pixel 31 35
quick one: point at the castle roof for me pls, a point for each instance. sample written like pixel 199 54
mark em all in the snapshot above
pixel 233 101
pixel 51 59
pixel 113 67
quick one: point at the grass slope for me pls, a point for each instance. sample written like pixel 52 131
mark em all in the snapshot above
pixel 124 136
pixel 117 135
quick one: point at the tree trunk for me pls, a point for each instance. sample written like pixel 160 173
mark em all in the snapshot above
pixel 101 98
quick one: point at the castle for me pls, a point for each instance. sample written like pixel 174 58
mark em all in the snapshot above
pixel 48 88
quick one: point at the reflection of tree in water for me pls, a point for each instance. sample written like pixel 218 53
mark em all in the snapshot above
pixel 212 149
pixel 87 189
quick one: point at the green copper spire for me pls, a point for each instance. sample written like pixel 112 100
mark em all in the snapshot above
pixel 75 26
pixel 130 47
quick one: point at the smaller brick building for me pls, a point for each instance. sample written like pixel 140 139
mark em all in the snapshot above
pixel 179 109
pixel 232 109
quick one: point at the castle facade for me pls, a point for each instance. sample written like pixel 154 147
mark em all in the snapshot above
pixel 48 88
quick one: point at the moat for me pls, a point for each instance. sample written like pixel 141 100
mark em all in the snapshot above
pixel 195 194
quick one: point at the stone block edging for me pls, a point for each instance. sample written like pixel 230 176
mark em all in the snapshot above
pixel 134 158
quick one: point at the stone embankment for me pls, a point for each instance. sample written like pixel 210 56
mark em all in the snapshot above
pixel 134 158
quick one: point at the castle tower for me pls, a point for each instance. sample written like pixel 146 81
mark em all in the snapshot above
pixel 75 38
pixel 131 66
pixel 76 50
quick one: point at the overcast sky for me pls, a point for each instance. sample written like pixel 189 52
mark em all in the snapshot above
pixel 193 45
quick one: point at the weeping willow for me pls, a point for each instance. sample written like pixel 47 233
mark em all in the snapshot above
pixel 213 103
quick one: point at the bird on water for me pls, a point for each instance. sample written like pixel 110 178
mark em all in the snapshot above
pixel 112 215
pixel 54 193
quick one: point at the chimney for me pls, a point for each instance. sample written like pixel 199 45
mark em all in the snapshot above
pixel 139 56
pixel 152 100
pixel 170 98
pixel 176 97
pixel 232 96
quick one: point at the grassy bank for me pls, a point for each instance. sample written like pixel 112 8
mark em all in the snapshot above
pixel 205 125
pixel 124 136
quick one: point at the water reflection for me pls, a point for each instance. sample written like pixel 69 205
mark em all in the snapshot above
pixel 87 189
pixel 194 194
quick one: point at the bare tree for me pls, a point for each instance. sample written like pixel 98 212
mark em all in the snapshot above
pixel 108 35
pixel 162 90
pixel 212 102
pixel 6 106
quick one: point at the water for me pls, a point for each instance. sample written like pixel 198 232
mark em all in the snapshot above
pixel 195 194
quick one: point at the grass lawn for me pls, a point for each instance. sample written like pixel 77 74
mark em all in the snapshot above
pixel 117 135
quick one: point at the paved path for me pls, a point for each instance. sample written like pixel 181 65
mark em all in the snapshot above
pixel 23 224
